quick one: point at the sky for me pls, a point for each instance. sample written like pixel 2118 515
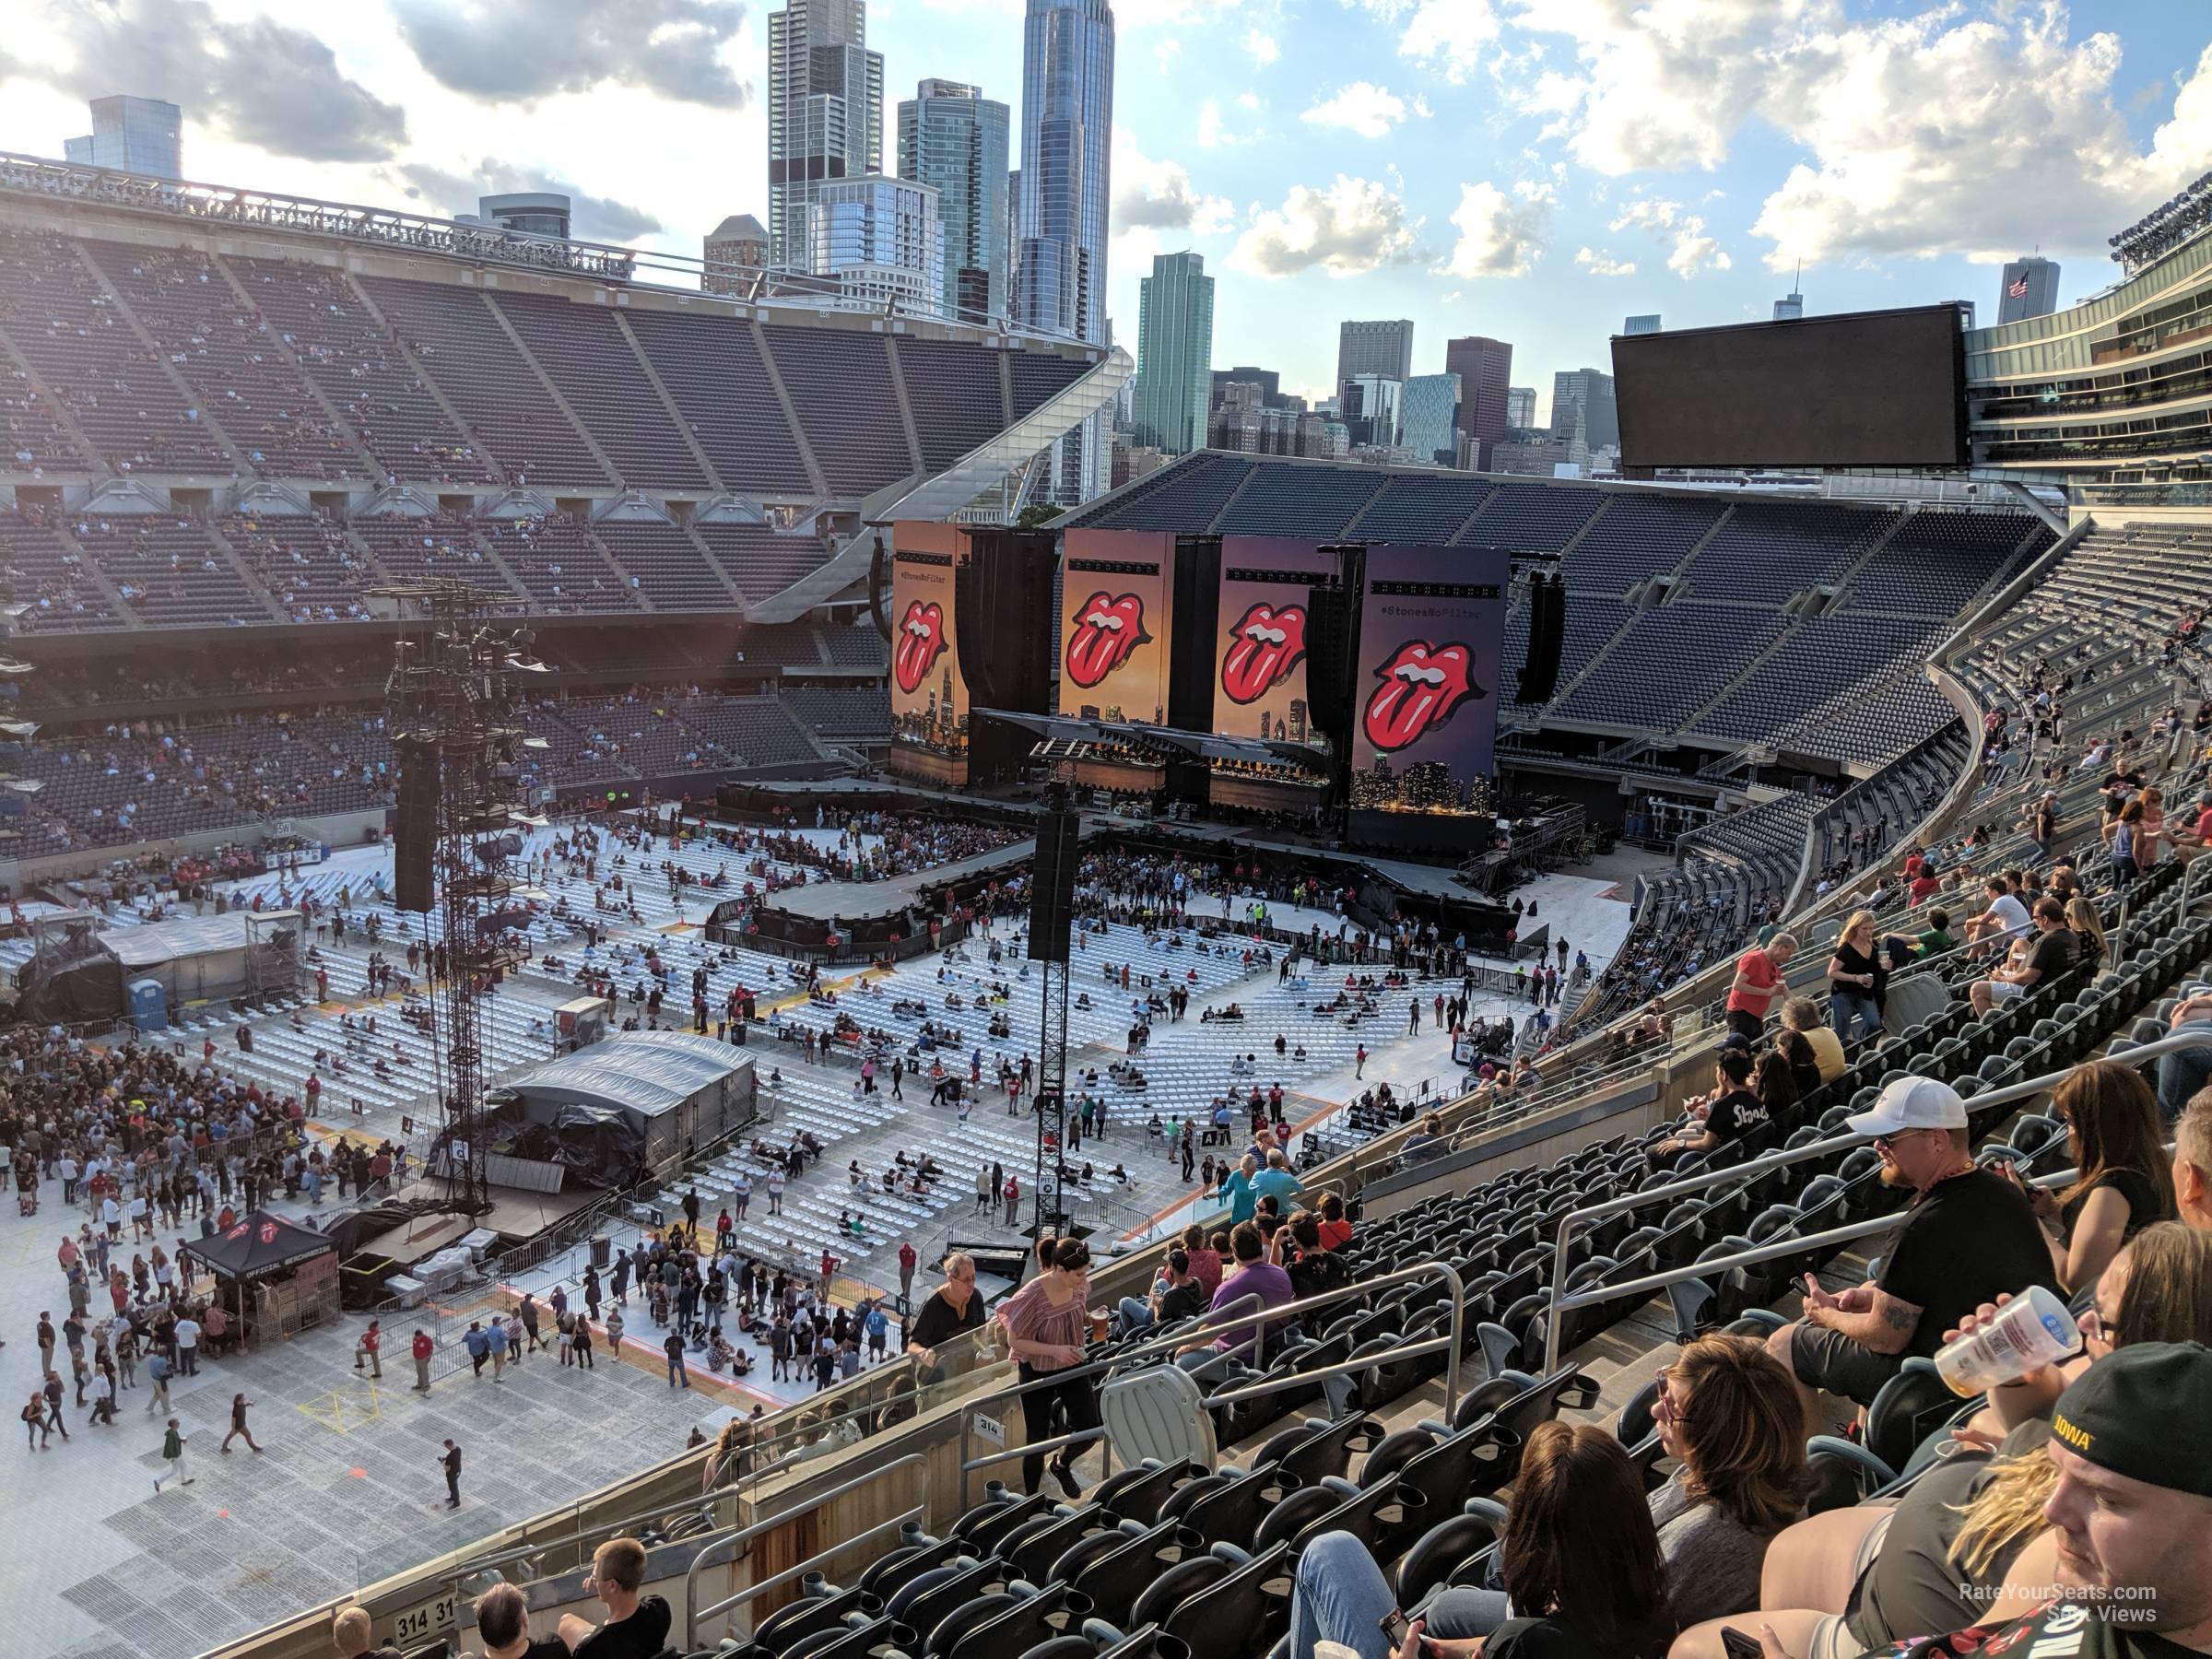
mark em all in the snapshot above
pixel 1531 170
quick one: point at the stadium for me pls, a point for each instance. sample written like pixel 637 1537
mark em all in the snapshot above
pixel 535 801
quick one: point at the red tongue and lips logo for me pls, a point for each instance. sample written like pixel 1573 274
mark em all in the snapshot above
pixel 1265 645
pixel 1107 627
pixel 1421 685
pixel 920 644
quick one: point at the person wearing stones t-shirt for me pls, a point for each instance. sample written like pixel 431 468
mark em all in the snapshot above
pixel 1734 1111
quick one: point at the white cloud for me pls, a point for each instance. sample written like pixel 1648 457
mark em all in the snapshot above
pixel 1262 46
pixel 1362 108
pixel 1444 35
pixel 1930 135
pixel 1599 262
pixel 1214 131
pixel 1352 227
pixel 1500 234
pixel 1249 100
pixel 1167 51
pixel 1159 196
pixel 1690 250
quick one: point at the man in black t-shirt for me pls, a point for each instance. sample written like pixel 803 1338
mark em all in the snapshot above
pixel 1732 1110
pixel 1181 1296
pixel 2056 948
pixel 635 1628
pixel 1969 1235
pixel 953 1308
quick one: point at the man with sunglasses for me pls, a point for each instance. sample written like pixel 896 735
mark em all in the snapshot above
pixel 1968 1236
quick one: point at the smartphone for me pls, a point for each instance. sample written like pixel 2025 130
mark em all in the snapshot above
pixel 1396 1627
pixel 1738 1645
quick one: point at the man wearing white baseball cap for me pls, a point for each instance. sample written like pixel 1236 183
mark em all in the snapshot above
pixel 1968 1234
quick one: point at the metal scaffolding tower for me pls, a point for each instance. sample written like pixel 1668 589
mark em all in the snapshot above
pixel 452 695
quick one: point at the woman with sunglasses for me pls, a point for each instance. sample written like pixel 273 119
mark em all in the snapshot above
pixel 1967 1542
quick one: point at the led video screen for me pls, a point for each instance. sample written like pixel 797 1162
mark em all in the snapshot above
pixel 1863 389
pixel 929 696
pixel 1116 631
pixel 1260 669
pixel 1431 652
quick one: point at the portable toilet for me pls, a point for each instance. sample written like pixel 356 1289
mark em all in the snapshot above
pixel 149 1007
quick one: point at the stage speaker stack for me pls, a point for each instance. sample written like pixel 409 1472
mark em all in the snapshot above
pixel 1546 637
pixel 1052 891
pixel 414 825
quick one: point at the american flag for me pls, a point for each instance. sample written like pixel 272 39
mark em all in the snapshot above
pixel 2019 290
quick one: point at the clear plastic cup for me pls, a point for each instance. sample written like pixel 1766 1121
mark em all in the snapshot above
pixel 2034 1329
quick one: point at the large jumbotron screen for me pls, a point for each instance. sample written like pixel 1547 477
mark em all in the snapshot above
pixel 1432 654
pixel 929 694
pixel 1260 657
pixel 1116 632
pixel 1864 389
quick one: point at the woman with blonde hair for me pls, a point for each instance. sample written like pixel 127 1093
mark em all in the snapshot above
pixel 2082 917
pixel 1967 1543
pixel 1857 979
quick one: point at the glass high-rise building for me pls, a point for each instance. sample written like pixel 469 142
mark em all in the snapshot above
pixel 132 135
pixel 1588 392
pixel 954 139
pixel 1066 148
pixel 825 114
pixel 1174 353
pixel 2030 288
pixel 1429 418
pixel 880 238
pixel 1641 325
pixel 1520 408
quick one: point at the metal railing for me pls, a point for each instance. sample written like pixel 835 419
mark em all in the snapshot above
pixel 1211 1324
pixel 694 1615
pixel 1561 1302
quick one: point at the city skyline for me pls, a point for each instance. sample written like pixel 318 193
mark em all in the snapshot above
pixel 1478 168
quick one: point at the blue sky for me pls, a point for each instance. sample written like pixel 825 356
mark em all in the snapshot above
pixel 1516 167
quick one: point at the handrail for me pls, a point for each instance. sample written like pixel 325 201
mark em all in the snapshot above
pixel 1560 1300
pixel 1282 1312
pixel 737 1535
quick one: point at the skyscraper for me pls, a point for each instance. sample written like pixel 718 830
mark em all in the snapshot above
pixel 954 139
pixel 2030 288
pixel 1790 307
pixel 1641 325
pixel 1174 353
pixel 1384 348
pixel 1588 392
pixel 880 238
pixel 1484 366
pixel 1067 145
pixel 1521 408
pixel 132 135
pixel 740 241
pixel 1429 418
pixel 824 112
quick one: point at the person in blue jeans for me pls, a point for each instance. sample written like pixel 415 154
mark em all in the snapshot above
pixel 675 1349
pixel 1584 1551
pixel 2183 1072
pixel 1856 979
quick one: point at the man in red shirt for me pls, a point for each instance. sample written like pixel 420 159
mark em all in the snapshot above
pixel 908 1257
pixel 422 1350
pixel 1759 984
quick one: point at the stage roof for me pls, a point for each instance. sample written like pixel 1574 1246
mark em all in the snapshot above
pixel 649 1072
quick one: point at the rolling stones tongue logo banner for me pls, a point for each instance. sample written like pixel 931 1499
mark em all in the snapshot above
pixel 1420 686
pixel 1260 687
pixel 1264 644
pixel 1432 643
pixel 1116 624
pixel 1108 629
pixel 919 643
